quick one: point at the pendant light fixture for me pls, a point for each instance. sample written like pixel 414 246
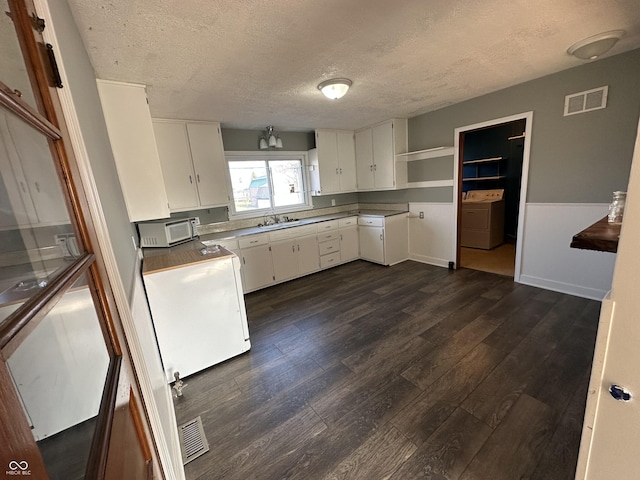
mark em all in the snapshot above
pixel 335 88
pixel 270 139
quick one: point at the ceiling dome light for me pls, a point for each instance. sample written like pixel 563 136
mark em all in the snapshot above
pixel 595 46
pixel 335 88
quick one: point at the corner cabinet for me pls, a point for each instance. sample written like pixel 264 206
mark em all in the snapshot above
pixel 376 150
pixel 333 162
pixel 133 143
pixel 193 164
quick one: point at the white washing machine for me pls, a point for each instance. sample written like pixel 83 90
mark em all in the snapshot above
pixel 482 219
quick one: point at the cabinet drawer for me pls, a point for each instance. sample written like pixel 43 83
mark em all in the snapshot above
pixel 292 232
pixel 330 260
pixel 371 221
pixel 253 240
pixel 329 247
pixel 347 222
pixel 327 226
pixel 325 237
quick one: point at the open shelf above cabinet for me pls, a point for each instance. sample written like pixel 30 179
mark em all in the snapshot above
pixel 424 154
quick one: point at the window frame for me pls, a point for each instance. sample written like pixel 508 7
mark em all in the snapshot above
pixel 269 156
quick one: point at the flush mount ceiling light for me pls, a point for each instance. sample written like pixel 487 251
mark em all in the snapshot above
pixel 335 88
pixel 592 47
pixel 270 140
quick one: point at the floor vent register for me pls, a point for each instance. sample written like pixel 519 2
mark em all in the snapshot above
pixel 193 442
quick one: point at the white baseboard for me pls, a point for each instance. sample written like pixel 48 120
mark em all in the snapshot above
pixel 571 289
pixel 438 262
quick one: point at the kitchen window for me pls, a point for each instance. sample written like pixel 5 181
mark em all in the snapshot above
pixel 264 183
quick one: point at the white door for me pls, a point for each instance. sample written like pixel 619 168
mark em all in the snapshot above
pixel 209 164
pixel 285 260
pixel 347 161
pixel 308 254
pixel 611 430
pixel 383 156
pixel 372 244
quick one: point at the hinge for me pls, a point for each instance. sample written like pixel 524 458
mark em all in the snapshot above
pixel 37 23
pixel 270 250
pixel 57 81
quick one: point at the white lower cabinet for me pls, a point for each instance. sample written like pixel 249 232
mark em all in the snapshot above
pixel 349 244
pixel 294 258
pixel 257 265
pixel 384 239
pixel 372 242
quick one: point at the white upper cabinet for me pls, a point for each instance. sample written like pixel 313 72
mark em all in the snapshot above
pixel 209 164
pixel 333 162
pixel 193 165
pixel 133 143
pixel 376 149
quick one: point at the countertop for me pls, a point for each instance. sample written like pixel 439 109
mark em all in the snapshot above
pixel 229 234
pixel 189 254
pixel 602 236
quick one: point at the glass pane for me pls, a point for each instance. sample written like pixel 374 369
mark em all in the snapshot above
pixel 37 239
pixel 13 71
pixel 288 188
pixel 59 371
pixel 250 185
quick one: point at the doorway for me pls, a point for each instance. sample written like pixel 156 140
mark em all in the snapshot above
pixel 491 169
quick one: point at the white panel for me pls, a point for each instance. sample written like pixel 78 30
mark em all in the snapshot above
pixel 431 238
pixel 548 261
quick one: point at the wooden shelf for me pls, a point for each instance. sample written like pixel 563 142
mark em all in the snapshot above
pixel 483 160
pixel 496 177
pixel 602 236
pixel 425 154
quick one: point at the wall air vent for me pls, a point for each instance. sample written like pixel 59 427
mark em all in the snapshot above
pixel 586 101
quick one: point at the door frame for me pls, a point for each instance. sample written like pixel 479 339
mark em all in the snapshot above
pixel 524 182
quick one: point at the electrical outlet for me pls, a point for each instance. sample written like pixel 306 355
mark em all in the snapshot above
pixel 421 214
pixel 196 221
pixel 61 241
pixel 333 202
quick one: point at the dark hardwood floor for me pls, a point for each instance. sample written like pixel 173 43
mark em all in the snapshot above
pixel 403 372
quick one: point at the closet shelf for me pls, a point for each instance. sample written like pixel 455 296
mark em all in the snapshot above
pixel 483 160
pixel 495 177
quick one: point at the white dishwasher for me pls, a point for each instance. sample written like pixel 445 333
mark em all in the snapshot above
pixel 198 309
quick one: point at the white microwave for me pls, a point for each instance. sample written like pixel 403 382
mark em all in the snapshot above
pixel 163 233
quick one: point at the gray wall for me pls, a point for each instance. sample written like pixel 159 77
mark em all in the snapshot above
pixel 576 159
pixel 82 85
pixel 236 140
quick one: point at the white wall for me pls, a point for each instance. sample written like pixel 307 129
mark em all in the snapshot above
pixel 547 260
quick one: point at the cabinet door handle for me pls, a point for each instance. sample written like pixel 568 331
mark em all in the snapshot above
pixel 380 237
pixel 37 187
pixel 244 262
pixel 371 168
pixel 337 171
pixel 198 177
pixel 293 248
pixel 23 187
pixel 298 247
pixel 375 167
pixel 190 179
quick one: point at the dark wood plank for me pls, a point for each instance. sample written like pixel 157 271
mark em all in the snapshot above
pixel 378 457
pixel 513 450
pixel 447 452
pixel 424 415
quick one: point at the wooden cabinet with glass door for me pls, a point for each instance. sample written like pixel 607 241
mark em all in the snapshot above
pixel 59 332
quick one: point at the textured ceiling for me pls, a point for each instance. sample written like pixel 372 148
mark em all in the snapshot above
pixel 252 63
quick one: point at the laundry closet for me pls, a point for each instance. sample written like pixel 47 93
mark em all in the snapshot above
pixel 491 172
